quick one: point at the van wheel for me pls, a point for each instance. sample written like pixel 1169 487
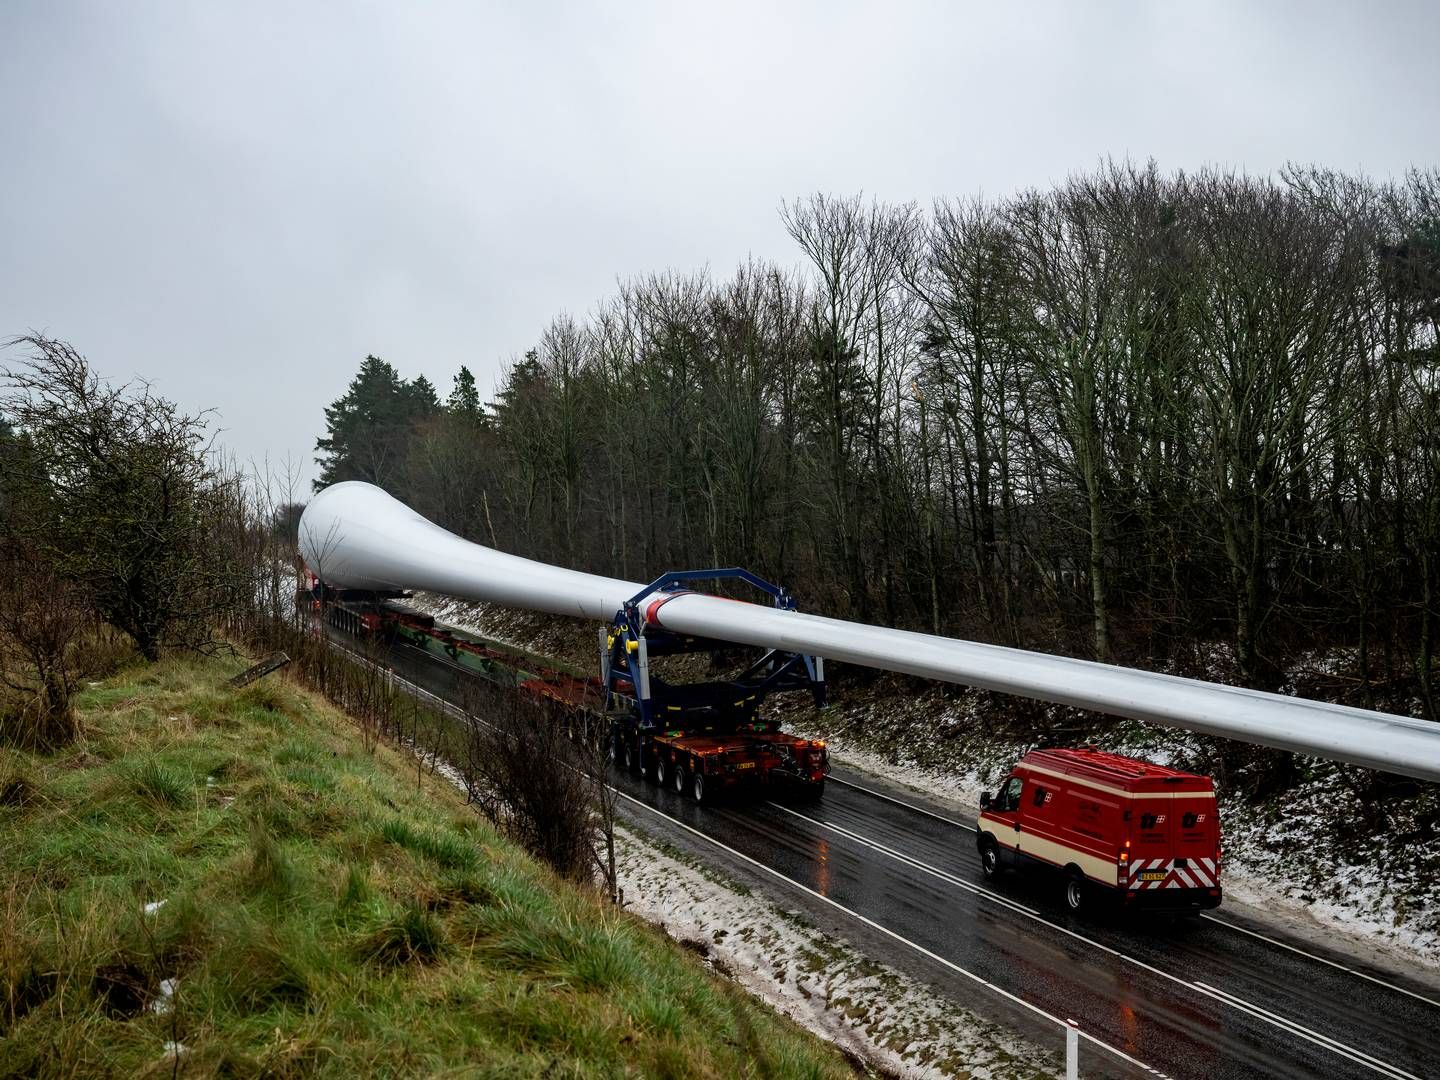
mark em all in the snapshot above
pixel 1075 893
pixel 990 859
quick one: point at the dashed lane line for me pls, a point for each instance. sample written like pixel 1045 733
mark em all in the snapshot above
pixel 1384 1068
pixel 1312 956
pixel 910 860
pixel 900 802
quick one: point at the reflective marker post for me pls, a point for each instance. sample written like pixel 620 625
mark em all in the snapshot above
pixel 1072 1050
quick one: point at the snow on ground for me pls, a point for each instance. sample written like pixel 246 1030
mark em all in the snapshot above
pixel 872 1011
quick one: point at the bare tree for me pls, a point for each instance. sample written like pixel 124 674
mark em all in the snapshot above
pixel 120 496
pixel 42 617
pixel 530 775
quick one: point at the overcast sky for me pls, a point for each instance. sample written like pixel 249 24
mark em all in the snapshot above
pixel 239 201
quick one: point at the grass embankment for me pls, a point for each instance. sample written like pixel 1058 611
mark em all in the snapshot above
pixel 326 910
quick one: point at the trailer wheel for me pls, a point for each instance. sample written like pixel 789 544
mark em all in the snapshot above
pixel 662 770
pixel 681 778
pixel 1075 892
pixel 989 858
pixel 627 755
pixel 697 787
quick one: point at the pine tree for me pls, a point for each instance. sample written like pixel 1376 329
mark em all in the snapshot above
pixel 368 429
pixel 464 401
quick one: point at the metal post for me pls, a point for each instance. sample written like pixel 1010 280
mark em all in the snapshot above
pixel 1072 1050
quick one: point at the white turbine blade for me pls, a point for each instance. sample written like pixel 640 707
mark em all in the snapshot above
pixel 354 535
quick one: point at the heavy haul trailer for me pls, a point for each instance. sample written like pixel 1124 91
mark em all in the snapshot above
pixel 385 616
pixel 704 739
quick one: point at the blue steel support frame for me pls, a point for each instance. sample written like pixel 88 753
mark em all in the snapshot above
pixel 628 626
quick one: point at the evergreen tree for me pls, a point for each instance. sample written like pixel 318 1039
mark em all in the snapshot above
pixel 368 429
pixel 464 400
pixel 421 398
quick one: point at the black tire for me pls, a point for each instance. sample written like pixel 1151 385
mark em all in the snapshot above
pixel 662 771
pixel 990 859
pixel 697 788
pixel 682 779
pixel 1076 898
pixel 627 756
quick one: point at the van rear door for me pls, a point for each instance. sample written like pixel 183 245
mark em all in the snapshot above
pixel 1195 836
pixel 1152 848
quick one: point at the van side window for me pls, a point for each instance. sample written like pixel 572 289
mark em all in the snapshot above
pixel 1040 796
pixel 1010 797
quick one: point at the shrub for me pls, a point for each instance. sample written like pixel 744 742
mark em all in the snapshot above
pixel 160 783
pixel 412 935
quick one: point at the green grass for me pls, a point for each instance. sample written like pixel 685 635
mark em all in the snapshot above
pixel 322 914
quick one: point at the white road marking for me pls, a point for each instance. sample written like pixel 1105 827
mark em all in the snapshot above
pixel 1312 956
pixel 1358 1056
pixel 1037 1010
pixel 934 871
pixel 1225 998
pixel 901 802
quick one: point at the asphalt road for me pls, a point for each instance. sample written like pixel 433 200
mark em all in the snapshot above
pixel 899 878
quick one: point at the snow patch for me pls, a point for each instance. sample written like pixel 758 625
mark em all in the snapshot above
pixel 877 1013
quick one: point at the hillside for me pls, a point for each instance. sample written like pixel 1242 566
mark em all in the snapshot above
pixel 220 882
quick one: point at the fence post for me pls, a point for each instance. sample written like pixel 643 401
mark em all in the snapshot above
pixel 1072 1050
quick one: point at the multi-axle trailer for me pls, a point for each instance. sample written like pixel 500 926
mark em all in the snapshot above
pixel 702 738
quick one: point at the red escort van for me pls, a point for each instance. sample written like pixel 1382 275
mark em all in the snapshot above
pixel 1141 834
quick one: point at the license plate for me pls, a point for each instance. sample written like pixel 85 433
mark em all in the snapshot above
pixel 746 765
pixel 1154 875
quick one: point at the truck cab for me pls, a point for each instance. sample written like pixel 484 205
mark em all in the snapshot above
pixel 1112 827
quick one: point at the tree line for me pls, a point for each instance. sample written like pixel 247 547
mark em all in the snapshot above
pixel 1127 417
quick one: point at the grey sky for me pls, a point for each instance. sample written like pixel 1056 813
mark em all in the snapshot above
pixel 240 201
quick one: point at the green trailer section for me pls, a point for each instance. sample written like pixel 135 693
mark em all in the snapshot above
pixel 484 658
